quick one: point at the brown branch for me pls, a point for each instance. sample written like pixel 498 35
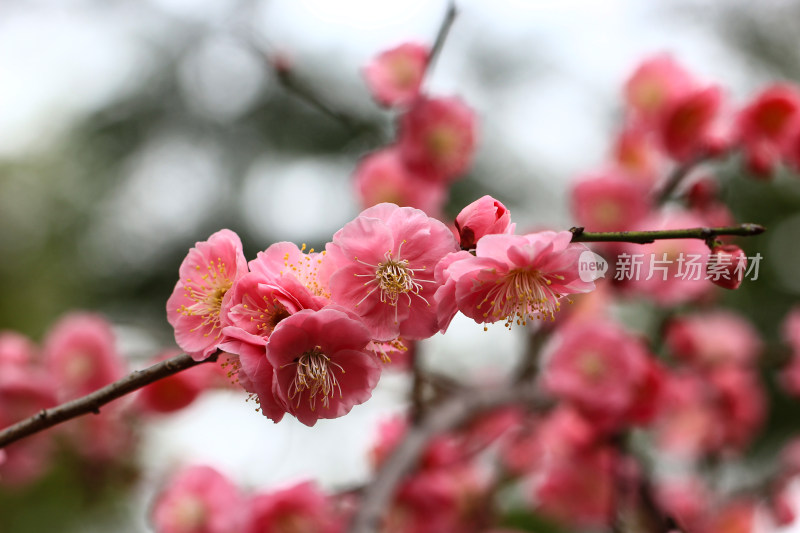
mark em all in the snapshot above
pixel 676 177
pixel 91 403
pixel 441 35
pixel 646 237
pixel 447 416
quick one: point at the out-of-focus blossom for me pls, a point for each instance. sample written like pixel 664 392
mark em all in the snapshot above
pixel 395 76
pixel 766 124
pixel 712 339
pixel 599 368
pixel 609 202
pixel 635 154
pixel 177 391
pixel 80 353
pixel 383 266
pixel 437 138
pixel 687 500
pixel 206 275
pixel 382 176
pixel 686 127
pixel 198 499
pixel 670 271
pixel 322 367
pixel 301 508
pixel 656 84
pixel 514 278
pixel 484 216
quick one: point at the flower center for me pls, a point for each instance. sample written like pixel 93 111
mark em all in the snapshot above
pixel 392 278
pixel 207 293
pixel 315 375
pixel 522 295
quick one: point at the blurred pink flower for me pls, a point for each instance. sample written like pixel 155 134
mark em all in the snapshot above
pixel 437 138
pixel 395 76
pixel 80 353
pixel 713 338
pixel 206 275
pixel 382 176
pixel 514 278
pixel 382 266
pixel 484 216
pixel 654 87
pixel 198 499
pixel 178 391
pixel 686 129
pixel 609 202
pixel 301 508
pixel 599 368
pixel 322 367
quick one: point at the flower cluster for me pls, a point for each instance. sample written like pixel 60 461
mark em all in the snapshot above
pixel 309 330
pixel 199 499
pixel 435 141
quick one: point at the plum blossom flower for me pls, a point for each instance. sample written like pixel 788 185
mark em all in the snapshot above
pixel 177 391
pixel 514 278
pixel 282 281
pixel 383 270
pixel 198 499
pixel 484 216
pixel 382 176
pixel 437 138
pixel 712 339
pixel 609 202
pixel 599 368
pixel 300 508
pixel 322 367
pixel 394 77
pixel 206 275
pixel 655 86
pixel 80 353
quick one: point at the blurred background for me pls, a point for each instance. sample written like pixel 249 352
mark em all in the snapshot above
pixel 130 129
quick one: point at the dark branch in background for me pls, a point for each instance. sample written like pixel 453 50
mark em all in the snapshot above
pixel 441 35
pixel 92 403
pixel 447 416
pixel 646 237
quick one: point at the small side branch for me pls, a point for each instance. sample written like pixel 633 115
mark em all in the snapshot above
pixel 92 403
pixel 646 237
pixel 441 35
pixel 447 416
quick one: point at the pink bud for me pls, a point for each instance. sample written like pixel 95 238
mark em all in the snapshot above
pixel 703 193
pixel 485 216
pixel 726 266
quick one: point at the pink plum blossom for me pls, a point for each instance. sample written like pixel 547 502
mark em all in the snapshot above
pixel 726 266
pixel 394 77
pixel 282 281
pixel 301 508
pixel 198 499
pixel 655 86
pixel 322 367
pixel 80 353
pixel 382 266
pixel 382 176
pixel 437 138
pixel 484 216
pixel 206 275
pixel 669 271
pixel 635 153
pixel 599 368
pixel 686 127
pixel 177 391
pixel 609 202
pixel 766 124
pixel 512 278
pixel 715 338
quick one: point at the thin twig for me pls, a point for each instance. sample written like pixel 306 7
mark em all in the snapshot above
pixel 91 403
pixel 646 237
pixel 447 416
pixel 441 35
pixel 677 176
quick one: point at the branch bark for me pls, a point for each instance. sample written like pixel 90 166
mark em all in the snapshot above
pixel 447 416
pixel 91 403
pixel 646 237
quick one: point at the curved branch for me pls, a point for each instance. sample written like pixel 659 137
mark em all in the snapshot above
pixel 91 403
pixel 646 237
pixel 447 416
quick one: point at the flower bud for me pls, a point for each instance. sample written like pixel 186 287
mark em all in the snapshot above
pixel 484 216
pixel 726 266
